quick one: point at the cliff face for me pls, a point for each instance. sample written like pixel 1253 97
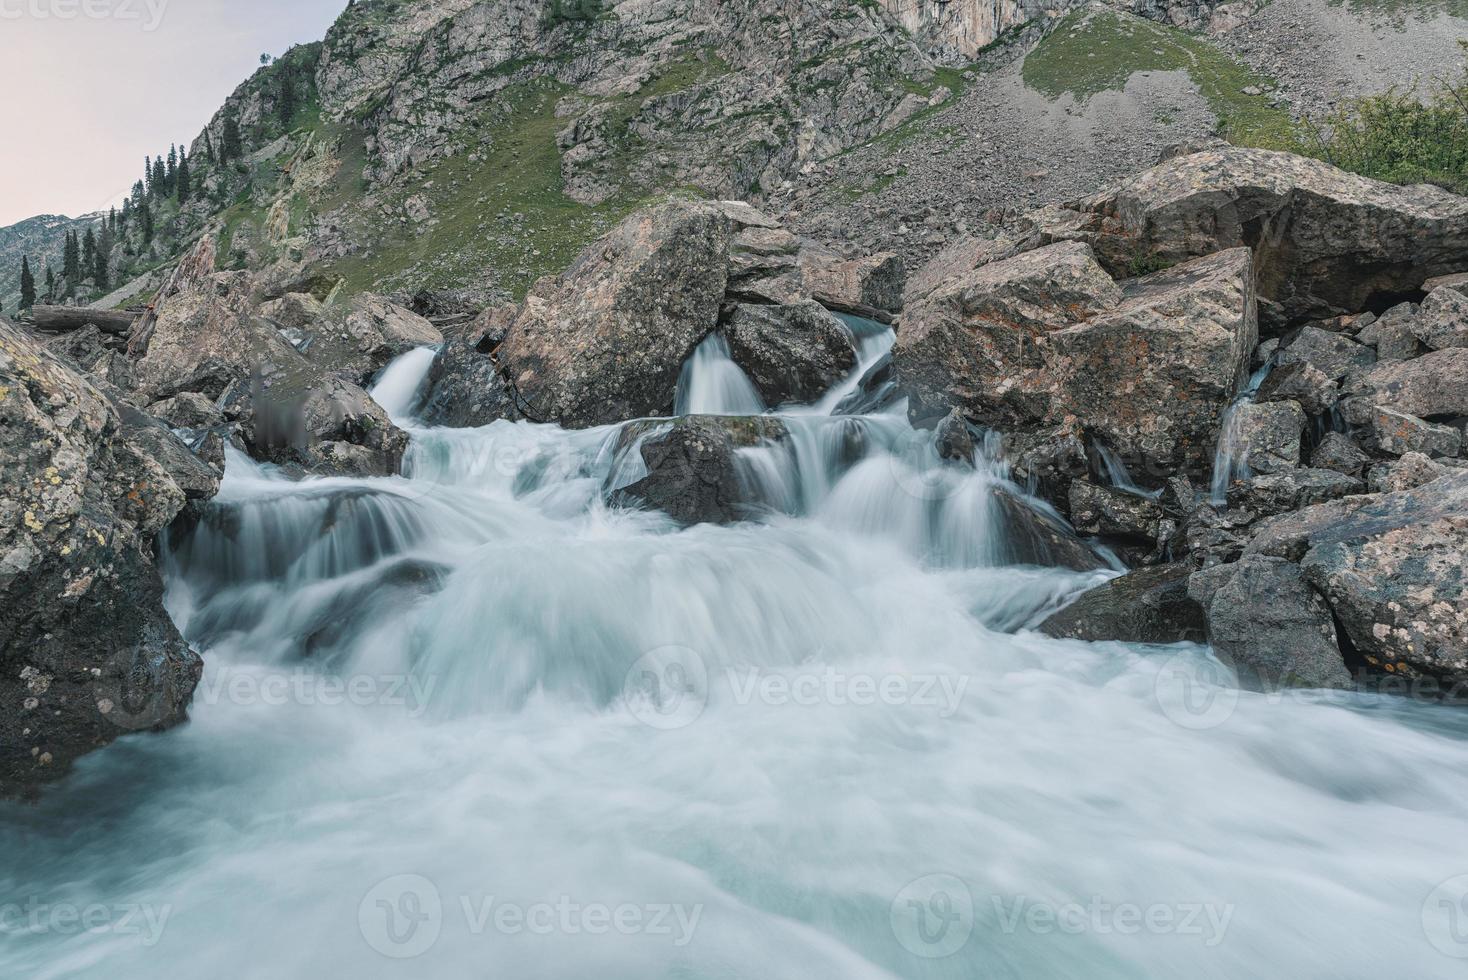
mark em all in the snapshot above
pixel 444 143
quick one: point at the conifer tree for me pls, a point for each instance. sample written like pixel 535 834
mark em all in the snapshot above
pixel 185 181
pixel 89 253
pixel 285 105
pixel 232 149
pixel 27 284
pixel 71 258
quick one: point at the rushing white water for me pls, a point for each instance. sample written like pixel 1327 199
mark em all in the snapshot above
pixel 712 384
pixel 473 722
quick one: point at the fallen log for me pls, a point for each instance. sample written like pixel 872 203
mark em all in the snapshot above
pixel 64 319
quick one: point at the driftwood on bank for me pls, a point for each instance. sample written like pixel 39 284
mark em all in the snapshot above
pixel 64 319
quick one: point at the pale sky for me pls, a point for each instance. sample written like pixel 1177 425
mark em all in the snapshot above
pixel 90 87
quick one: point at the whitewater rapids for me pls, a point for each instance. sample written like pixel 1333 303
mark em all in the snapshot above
pixel 472 722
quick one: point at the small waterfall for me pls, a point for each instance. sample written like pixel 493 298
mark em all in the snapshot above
pixel 1230 463
pixel 712 384
pixel 1119 476
pixel 400 385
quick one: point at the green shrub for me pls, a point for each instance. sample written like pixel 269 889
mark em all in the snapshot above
pixel 1403 138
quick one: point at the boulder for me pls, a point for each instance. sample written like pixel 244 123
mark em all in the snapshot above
pixel 1291 489
pixel 1433 386
pixel 1328 242
pixel 1301 382
pixel 1411 471
pixel 693 474
pixel 1044 337
pixel 1267 436
pixel 1029 536
pixel 605 340
pixel 1332 354
pixel 207 340
pixel 792 353
pixel 1114 513
pixel 87 650
pixel 1442 322
pixel 1337 452
pixel 359 338
pixel 1395 570
pixel 1150 605
pixel 1269 625
pixel 1396 433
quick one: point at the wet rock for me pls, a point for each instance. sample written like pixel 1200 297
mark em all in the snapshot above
pixel 1432 386
pixel 465 389
pixel 1396 433
pixel 1287 490
pixel 1337 452
pixel 1303 383
pixel 1114 513
pixel 954 438
pixel 1442 322
pixel 1328 241
pixel 88 652
pixel 1331 354
pixel 1266 622
pixel 1031 537
pixel 693 474
pixel 1150 605
pixel 605 340
pixel 792 353
pixel 1268 436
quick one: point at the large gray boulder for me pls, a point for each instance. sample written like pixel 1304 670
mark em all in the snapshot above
pixel 1150 605
pixel 1432 386
pixel 793 352
pixel 1328 242
pixel 693 474
pixel 1267 623
pixel 604 341
pixel 208 340
pixel 87 652
pixel 1046 338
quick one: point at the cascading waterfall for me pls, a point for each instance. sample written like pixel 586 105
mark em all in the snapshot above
pixel 1230 463
pixel 447 717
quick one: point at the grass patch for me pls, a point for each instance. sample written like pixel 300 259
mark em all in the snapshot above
pixel 503 213
pixel 1097 51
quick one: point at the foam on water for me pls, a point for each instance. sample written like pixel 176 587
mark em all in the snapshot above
pixel 771 737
